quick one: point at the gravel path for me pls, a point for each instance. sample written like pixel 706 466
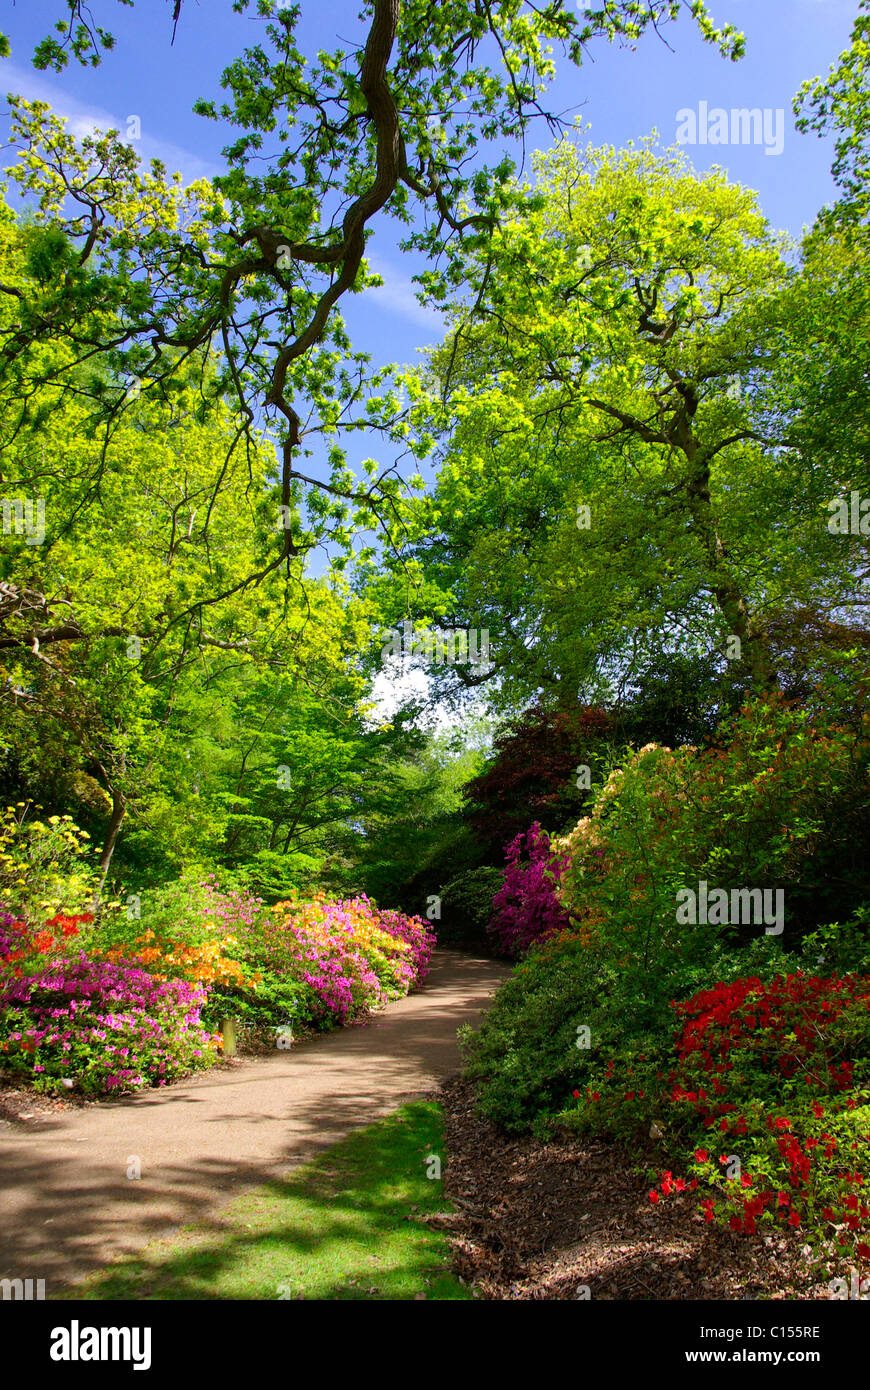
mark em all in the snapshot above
pixel 67 1205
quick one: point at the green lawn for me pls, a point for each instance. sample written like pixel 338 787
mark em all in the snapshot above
pixel 338 1228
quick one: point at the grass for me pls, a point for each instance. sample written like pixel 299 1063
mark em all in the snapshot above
pixel 346 1226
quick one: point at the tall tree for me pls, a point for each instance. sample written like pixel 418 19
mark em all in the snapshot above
pixel 622 474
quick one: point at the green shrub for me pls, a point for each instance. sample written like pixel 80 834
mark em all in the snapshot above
pixel 783 806
pixel 530 1052
pixel 466 907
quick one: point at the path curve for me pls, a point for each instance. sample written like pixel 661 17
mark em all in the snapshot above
pixel 67 1206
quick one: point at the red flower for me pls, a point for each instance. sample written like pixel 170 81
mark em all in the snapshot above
pixel 701 1155
pixel 654 1196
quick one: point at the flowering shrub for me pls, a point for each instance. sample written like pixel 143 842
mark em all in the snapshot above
pixel 22 944
pixel 352 956
pixel 526 909
pixel 781 802
pixel 43 865
pixel 414 932
pixel 123 1002
pixel 110 1027
pixel 777 1074
pixel 206 963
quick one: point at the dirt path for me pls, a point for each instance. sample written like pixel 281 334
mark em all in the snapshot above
pixel 67 1205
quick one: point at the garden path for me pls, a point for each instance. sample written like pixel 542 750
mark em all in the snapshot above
pixel 67 1205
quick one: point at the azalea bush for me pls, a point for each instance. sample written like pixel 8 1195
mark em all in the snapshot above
pixel 526 909
pixel 524 1056
pixel 762 1099
pixel 781 802
pixel 46 866
pixel 351 956
pixel 150 987
pixel 24 944
pixel 104 1027
pixel 168 958
pixel 758 810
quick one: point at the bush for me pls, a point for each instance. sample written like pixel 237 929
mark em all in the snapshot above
pixel 44 866
pixel 325 962
pixel 784 807
pixel 532 1049
pixel 763 1097
pixel 108 1027
pixel 119 1002
pixel 466 907
pixel 526 908
pixel 524 1056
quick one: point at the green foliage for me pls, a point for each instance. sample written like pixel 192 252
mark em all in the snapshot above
pixel 44 865
pixel 524 1058
pixel 532 1049
pixel 781 802
pixel 466 907
pixel 840 948
pixel 276 1006
pixel 840 105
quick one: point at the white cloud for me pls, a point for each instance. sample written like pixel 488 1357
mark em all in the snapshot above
pixel 85 120
pixel 398 295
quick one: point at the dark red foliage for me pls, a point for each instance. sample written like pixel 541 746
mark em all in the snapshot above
pixel 533 776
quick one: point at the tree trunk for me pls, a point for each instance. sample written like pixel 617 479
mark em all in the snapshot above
pixel 754 647
pixel 119 806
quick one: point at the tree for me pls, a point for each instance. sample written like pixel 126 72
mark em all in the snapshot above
pixel 541 771
pixel 254 267
pixel 840 105
pixel 133 644
pixel 622 475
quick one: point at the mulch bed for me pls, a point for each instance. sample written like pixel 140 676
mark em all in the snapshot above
pixel 550 1220
pixel 18 1105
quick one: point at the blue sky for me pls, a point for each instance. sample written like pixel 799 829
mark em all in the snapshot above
pixel 622 94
